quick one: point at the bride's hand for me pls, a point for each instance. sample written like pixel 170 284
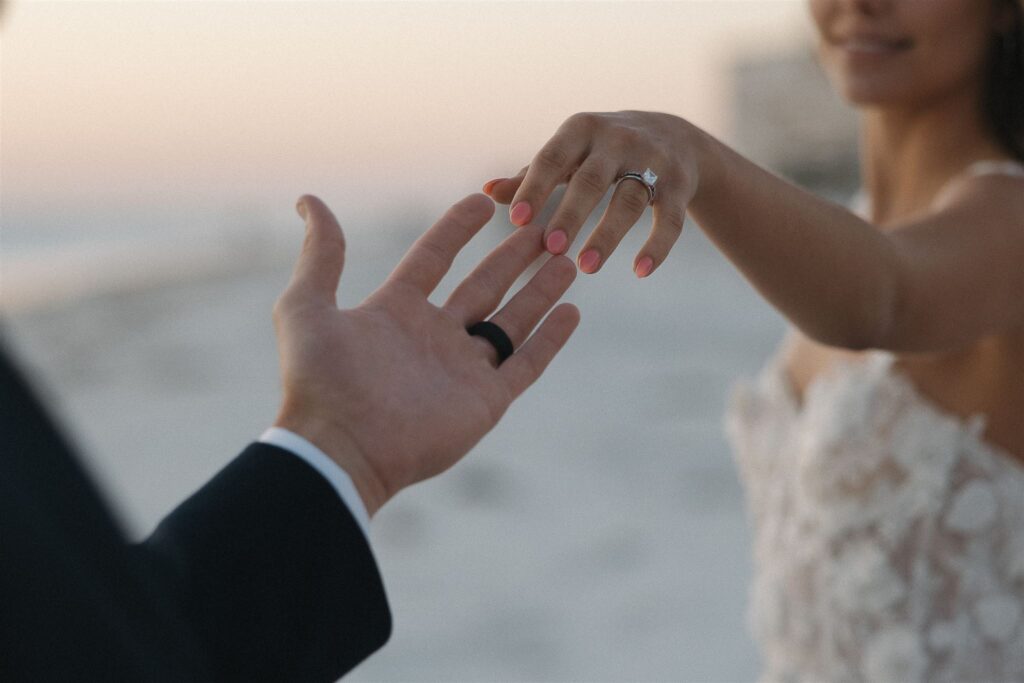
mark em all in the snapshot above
pixel 590 151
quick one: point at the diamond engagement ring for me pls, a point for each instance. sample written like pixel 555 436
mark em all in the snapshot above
pixel 648 178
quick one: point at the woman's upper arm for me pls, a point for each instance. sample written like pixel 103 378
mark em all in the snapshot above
pixel 960 273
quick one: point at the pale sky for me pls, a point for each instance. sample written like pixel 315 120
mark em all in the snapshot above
pixel 192 99
pixel 188 101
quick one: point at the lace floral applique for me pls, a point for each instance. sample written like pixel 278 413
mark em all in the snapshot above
pixel 889 538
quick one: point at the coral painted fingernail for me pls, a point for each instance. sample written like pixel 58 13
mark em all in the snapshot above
pixel 520 214
pixel 557 241
pixel 589 260
pixel 644 266
pixel 489 185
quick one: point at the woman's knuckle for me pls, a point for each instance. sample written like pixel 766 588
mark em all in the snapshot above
pixel 577 119
pixel 583 119
pixel 630 138
pixel 662 158
pixel 553 157
pixel 681 175
pixel 615 147
pixel 592 178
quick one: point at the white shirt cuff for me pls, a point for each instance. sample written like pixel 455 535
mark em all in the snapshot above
pixel 331 471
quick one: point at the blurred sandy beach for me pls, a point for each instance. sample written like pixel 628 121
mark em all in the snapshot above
pixel 597 534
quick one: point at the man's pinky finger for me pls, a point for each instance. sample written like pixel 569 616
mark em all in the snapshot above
pixel 528 363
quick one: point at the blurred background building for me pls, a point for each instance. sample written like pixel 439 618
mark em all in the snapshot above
pixel 787 117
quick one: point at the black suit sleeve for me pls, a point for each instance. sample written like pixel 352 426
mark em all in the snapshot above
pixel 261 575
pixel 273 572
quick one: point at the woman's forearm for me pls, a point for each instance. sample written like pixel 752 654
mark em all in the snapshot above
pixel 828 271
pixel 831 273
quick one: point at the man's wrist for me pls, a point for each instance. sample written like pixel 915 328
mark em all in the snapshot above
pixel 339 446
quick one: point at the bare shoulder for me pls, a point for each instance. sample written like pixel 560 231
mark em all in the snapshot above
pixel 963 259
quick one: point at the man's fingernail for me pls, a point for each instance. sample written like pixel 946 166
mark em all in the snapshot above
pixel 489 185
pixel 520 214
pixel 556 242
pixel 589 260
pixel 300 206
pixel 644 266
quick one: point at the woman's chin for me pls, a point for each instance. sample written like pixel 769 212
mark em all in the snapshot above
pixel 870 95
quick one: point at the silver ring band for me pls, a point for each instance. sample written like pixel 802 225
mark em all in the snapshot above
pixel 648 178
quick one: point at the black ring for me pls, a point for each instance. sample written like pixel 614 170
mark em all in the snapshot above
pixel 494 334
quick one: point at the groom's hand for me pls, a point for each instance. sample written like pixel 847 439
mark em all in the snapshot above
pixel 396 390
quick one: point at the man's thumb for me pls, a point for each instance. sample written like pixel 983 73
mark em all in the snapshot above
pixel 319 267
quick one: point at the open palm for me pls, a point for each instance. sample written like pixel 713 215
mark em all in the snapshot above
pixel 395 390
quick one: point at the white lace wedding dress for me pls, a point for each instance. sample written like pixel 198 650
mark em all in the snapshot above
pixel 889 537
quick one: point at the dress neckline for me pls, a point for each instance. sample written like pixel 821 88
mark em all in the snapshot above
pixel 881 361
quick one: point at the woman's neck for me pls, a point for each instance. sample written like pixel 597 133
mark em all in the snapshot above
pixel 908 155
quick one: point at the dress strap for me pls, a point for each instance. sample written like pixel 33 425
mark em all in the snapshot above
pixel 980 168
pixel 860 203
pixel 1014 168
